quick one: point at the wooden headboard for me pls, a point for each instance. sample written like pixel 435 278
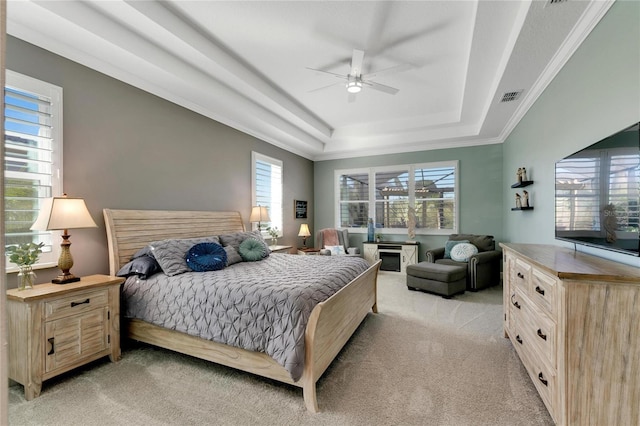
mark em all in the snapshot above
pixel 130 230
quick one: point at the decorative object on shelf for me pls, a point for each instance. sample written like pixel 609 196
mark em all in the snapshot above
pixel 64 213
pixel 411 222
pixel 273 233
pixel 524 174
pixel 300 209
pixel 25 256
pixel 370 231
pixel 519 175
pixel 304 232
pixel 525 199
pixel 518 201
pixel 259 214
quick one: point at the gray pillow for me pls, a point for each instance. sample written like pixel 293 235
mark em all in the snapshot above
pixel 171 253
pixel 232 255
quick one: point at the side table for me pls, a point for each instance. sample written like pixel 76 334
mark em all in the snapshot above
pixel 280 249
pixel 308 251
pixel 54 328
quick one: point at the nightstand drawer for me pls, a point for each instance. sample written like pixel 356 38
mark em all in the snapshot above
pixel 522 275
pixel 77 303
pixel 543 291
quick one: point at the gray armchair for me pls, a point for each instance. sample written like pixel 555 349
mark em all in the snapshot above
pixel 483 268
pixel 343 240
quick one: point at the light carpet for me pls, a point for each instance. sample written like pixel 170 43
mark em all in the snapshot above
pixel 422 360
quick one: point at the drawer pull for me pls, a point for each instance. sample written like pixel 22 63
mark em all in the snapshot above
pixel 73 304
pixel 514 303
pixel 542 379
pixel 51 340
pixel 539 290
pixel 542 336
pixel 520 275
pixel 519 339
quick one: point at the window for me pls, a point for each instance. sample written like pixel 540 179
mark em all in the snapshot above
pixel 267 189
pixel 430 189
pixel 33 161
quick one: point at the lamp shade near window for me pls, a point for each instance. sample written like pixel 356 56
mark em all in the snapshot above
pixel 259 214
pixel 64 213
pixel 304 233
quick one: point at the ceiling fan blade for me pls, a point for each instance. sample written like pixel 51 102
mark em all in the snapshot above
pixel 344 77
pixel 356 62
pixel 381 87
pixel 387 71
pixel 326 87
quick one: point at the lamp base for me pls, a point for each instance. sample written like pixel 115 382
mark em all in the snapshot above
pixel 65 279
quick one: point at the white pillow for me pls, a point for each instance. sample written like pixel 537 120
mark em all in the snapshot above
pixel 335 250
pixel 462 252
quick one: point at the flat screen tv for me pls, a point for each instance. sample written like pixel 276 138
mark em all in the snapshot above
pixel 598 192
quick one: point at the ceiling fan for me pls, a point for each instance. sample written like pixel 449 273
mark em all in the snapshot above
pixel 355 80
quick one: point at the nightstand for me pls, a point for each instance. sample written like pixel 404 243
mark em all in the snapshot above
pixel 280 249
pixel 308 251
pixel 54 328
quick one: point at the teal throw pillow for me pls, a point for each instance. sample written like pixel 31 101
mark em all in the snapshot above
pixel 451 244
pixel 252 250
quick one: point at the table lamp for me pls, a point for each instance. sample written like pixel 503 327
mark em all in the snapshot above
pixel 304 233
pixel 259 214
pixel 64 213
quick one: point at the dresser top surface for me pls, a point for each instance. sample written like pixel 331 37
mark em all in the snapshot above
pixel 569 264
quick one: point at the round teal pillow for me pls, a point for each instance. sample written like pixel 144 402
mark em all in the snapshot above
pixel 252 250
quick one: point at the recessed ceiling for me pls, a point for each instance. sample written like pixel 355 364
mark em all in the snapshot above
pixel 246 64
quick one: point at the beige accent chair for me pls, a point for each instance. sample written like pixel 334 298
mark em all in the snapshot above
pixel 343 238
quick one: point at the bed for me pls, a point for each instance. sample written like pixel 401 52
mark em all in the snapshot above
pixel 329 326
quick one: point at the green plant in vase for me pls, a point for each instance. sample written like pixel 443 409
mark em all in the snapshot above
pixel 273 233
pixel 25 256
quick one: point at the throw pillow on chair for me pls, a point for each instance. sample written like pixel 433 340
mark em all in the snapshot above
pixel 462 252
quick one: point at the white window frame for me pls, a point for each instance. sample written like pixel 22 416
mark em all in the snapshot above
pixel 275 206
pixel 17 81
pixel 410 168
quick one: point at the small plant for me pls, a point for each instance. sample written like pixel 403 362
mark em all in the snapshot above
pixel 25 254
pixel 273 232
pixel 378 237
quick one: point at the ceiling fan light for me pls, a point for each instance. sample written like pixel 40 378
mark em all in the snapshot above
pixel 354 86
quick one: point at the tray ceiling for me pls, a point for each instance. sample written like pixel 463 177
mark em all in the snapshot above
pixel 246 64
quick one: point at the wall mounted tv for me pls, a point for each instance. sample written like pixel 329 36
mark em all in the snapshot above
pixel 598 192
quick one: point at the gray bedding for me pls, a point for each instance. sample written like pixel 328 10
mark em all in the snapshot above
pixel 260 306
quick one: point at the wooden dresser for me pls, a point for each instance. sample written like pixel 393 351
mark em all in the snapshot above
pixel 574 320
pixel 54 328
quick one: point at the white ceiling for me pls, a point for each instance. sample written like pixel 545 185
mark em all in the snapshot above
pixel 244 63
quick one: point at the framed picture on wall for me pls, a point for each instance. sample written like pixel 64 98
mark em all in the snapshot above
pixel 300 208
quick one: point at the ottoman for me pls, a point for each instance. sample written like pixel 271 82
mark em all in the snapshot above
pixel 444 280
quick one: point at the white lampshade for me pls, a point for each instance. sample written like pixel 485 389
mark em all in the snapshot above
pixel 304 231
pixel 259 214
pixel 63 213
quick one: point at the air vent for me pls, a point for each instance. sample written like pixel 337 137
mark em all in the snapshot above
pixel 511 96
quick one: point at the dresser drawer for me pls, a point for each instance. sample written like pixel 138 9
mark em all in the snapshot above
pixel 79 302
pixel 543 291
pixel 544 379
pixel 521 275
pixel 540 330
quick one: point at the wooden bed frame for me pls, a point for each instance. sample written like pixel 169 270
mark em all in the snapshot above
pixel 330 325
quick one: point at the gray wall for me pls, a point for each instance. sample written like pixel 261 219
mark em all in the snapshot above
pixel 596 94
pixel 480 171
pixel 127 149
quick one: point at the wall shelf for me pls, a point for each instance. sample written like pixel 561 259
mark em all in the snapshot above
pixel 521 208
pixel 522 184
